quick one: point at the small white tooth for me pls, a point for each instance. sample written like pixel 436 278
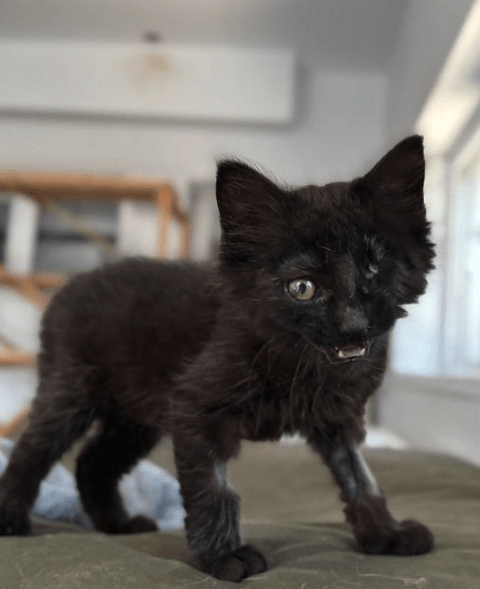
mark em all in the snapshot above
pixel 351 353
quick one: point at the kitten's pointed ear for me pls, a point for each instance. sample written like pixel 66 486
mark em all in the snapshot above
pixel 250 207
pixel 245 197
pixel 397 179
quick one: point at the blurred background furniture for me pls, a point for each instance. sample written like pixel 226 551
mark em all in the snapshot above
pixel 31 192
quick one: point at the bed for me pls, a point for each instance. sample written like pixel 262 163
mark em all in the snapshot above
pixel 290 509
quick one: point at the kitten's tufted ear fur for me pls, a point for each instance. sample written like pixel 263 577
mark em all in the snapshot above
pixel 392 192
pixel 244 195
pixel 251 211
pixel 395 183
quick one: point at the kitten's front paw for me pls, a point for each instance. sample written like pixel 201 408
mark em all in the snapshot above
pixel 406 538
pixel 413 538
pixel 243 562
pixel 13 523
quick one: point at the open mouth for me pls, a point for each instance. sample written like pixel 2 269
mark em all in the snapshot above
pixel 352 351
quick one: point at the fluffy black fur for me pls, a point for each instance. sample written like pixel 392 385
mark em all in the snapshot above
pixel 287 333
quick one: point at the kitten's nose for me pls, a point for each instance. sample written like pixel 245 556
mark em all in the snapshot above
pixel 352 320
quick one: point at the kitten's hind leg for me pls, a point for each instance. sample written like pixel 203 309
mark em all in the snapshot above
pixel 54 424
pixel 374 528
pixel 106 457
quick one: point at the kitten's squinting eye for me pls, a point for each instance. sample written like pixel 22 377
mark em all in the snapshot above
pixel 302 289
pixel 371 271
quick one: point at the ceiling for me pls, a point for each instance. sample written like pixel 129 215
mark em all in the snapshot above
pixel 334 33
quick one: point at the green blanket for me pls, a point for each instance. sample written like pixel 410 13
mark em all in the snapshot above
pixel 290 509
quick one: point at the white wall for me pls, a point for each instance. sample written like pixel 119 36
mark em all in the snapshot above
pixel 441 415
pixel 338 130
pixel 429 30
pixel 168 80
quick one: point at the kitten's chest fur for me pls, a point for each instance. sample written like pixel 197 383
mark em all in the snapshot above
pixel 284 389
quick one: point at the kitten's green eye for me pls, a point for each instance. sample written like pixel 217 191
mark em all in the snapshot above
pixel 302 289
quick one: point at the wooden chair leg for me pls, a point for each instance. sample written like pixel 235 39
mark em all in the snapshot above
pixel 184 239
pixel 164 200
pixel 15 424
pixel 11 356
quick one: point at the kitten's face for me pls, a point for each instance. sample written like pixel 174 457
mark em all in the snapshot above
pixel 332 264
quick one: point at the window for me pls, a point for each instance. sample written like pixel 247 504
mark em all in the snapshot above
pixel 417 343
pixel 462 326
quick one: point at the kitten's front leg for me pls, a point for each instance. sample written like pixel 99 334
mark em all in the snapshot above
pixel 374 528
pixel 212 515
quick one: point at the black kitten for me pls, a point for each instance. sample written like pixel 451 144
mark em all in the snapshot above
pixel 288 333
